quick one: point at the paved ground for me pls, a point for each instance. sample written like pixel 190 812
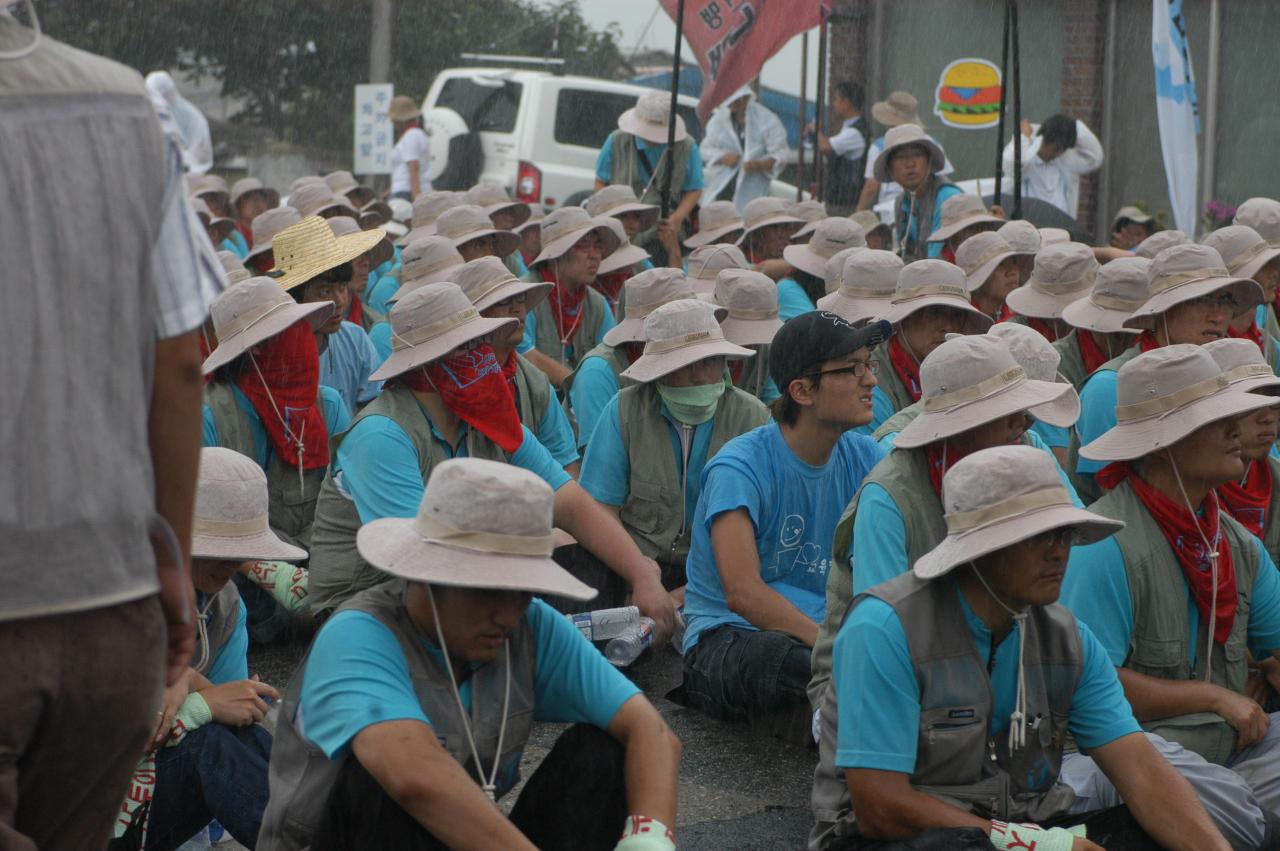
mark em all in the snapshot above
pixel 738 791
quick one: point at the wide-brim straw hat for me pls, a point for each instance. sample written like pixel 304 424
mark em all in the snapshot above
pixel 230 518
pixel 645 293
pixel 831 235
pixel 680 333
pixel 1184 273
pixel 715 221
pixel 486 281
pixel 650 119
pixel 625 255
pixel 1063 274
pixel 868 284
pixel 979 255
pixel 492 198
pixel 253 311
pixel 562 229
pixel 897 108
pixel 468 222
pixel 1243 249
pixel 481 524
pixel 901 136
pixel 973 379
pixel 430 322
pixel 1164 395
pixel 1242 362
pixel 960 212
pixel 619 199
pixel 934 283
pixel 309 248
pixel 1002 496
pixel 751 299
pixel 1119 289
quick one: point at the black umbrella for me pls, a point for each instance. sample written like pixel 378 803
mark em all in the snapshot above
pixel 1042 214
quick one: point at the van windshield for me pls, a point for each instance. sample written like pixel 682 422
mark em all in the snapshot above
pixel 483 107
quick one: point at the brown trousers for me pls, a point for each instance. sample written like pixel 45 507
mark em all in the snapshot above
pixel 78 699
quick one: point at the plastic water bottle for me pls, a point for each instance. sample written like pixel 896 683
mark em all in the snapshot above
pixel 677 637
pixel 606 624
pixel 625 649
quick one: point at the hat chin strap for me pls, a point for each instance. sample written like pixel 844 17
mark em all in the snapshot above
pixel 1212 553
pixel 35 25
pixel 1018 719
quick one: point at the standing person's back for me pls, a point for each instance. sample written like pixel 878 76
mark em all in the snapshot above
pixel 101 404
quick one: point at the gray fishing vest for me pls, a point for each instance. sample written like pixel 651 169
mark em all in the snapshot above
pixel 533 393
pixel 82 154
pixel 584 338
pixel 301 777
pixel 958 760
pixel 1159 646
pixel 336 569
pixel 654 511
pixel 1084 484
pixel 888 381
pixel 755 372
pixel 921 210
pixel 904 474
pixel 220 621
pixel 626 171
pixel 1071 367
pixel 611 355
pixel 291 505
pixel 1271 529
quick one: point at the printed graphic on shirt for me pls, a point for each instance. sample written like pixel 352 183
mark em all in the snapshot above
pixel 794 552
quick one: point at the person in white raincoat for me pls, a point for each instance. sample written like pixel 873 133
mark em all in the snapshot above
pixel 197 144
pixel 744 150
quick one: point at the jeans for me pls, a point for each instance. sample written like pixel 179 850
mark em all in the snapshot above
pixel 614 590
pixel 267 618
pixel 575 801
pixel 217 772
pixel 742 675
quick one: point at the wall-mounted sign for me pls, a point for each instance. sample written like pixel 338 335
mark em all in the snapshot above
pixel 969 94
pixel 373 136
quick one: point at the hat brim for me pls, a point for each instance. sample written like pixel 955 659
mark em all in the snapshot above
pixel 957 550
pixel 648 212
pixel 764 223
pixel 625 256
pixel 278 320
pixel 259 248
pixel 521 209
pixel 1027 301
pixel 1246 292
pixel 629 122
pixel 706 237
pixel 806 259
pixel 945 232
pixel 854 310
pixel 264 546
pixel 1250 269
pixel 504 241
pixel 1049 401
pixel 882 112
pixel 631 329
pixel 535 291
pixel 418 232
pixel 526 225
pixel 346 248
pixel 557 248
pixel 937 160
pixel 403 360
pixel 652 367
pixel 1087 316
pixel 750 332
pixel 1127 441
pixel 393 545
pixel 974 282
pixel 976 321
pixel 806 231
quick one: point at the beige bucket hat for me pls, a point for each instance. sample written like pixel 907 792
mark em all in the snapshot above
pixel 427 209
pixel 342 182
pixel 428 260
pixel 617 199
pixel 962 211
pixel 762 212
pixel 751 299
pixel 715 221
pixel 402 108
pixel 898 108
pixel 706 262
pixel 202 210
pixel 979 255
pixel 1244 249
pixel 1053 236
pixel 625 255
pixel 973 379
pixel 999 497
pixel 934 283
pixel 210 184
pixel 233 266
pixel 245 185
pixel 649 118
pixel 1036 355
pixel 1062 274
pixel 645 293
pixel 811 212
pixel 868 221
pixel 494 199
pixel 343 225
pixel 1186 272
pixel 1159 241
pixel 1164 395
pixel 1022 236
pixel 430 322
pixel 1119 289
pixel 677 334
pixel 305 180
pixel 562 229
pixel 1243 363
pixel 309 248
pixel 253 311
pixel 536 214
pixel 316 198
pixel 901 135
pixel 269 223
pixel 379 214
pixel 868 284
pixel 230 519
pixel 487 281
pixel 1263 215
pixel 829 236
pixel 465 223
pixel 833 269
pixel 481 524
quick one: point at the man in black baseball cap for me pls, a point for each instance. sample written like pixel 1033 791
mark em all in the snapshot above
pixel 762 531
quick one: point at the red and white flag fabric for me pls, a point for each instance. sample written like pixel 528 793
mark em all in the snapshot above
pixel 732 39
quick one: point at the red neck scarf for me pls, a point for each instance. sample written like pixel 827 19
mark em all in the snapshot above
pixel 528 258
pixel 947 254
pixel 262 263
pixel 289 388
pixel 906 367
pixel 610 286
pixel 1045 327
pixel 1090 352
pixel 633 351
pixel 1248 502
pixel 1253 332
pixel 474 386
pixel 355 314
pixel 1183 531
pixel 1148 342
pixel 941 458
pixel 247 232
pixel 566 307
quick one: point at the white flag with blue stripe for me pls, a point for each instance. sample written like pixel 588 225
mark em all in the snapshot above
pixel 1176 109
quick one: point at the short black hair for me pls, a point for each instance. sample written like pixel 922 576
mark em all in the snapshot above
pixel 787 410
pixel 340 274
pixel 850 91
pixel 1059 130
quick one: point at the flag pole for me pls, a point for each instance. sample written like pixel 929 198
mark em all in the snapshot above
pixel 671 119
pixel 1004 107
pixel 821 98
pixel 804 114
pixel 1017 110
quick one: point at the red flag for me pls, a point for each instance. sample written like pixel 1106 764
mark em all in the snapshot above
pixel 732 39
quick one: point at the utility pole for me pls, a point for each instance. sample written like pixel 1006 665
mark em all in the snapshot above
pixel 380 43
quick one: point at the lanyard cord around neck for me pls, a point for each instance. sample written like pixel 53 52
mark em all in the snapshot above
pixel 1017 720
pixel 1212 554
pixel 301 447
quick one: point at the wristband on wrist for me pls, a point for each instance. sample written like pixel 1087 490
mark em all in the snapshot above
pixel 1010 836
pixel 192 715
pixel 646 834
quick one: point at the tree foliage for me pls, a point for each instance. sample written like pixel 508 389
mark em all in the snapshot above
pixel 295 62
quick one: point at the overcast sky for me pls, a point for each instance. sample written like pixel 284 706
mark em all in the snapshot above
pixel 642 29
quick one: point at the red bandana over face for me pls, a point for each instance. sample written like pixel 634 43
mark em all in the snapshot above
pixel 1090 352
pixel 284 391
pixel 906 367
pixel 473 385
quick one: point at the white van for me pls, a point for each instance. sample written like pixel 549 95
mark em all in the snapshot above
pixel 539 133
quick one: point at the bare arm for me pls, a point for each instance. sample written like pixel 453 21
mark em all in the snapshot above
pixel 173 425
pixel 419 775
pixel 652 760
pixel 886 807
pixel 1159 797
pixel 1153 698
pixel 413 179
pixel 733 541
pixel 687 203
pixel 556 372
pixel 600 184
pixel 870 192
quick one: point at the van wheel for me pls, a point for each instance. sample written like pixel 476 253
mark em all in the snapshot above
pixel 576 199
pixel 456 154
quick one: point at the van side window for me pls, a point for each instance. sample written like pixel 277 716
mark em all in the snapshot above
pixel 483 107
pixel 586 118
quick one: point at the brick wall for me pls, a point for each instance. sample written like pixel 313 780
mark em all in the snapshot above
pixel 1084 37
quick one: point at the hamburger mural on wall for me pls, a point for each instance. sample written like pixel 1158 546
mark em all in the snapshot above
pixel 969 94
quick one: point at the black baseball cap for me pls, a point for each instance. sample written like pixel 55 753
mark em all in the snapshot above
pixel 811 339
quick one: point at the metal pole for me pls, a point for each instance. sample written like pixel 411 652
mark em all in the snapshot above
pixel 1103 213
pixel 1004 107
pixel 671 119
pixel 804 114
pixel 821 99
pixel 380 43
pixel 1208 171
pixel 1017 111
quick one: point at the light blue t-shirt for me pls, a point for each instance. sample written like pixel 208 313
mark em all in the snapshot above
pixel 346 364
pixel 944 192
pixel 554 431
pixel 1097 414
pixel 377 292
pixel 592 388
pixel 794 508
pixel 232 662
pixel 336 420
pixel 380 336
pixel 357 676
pixel 879 723
pixel 1051 436
pixel 693 172
pixel 792 300
pixel 1096 590
pixel 531 331
pixel 882 408
pixel 377 466
pixel 236 244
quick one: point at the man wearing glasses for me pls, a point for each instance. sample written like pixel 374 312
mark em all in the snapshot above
pixel 763 526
